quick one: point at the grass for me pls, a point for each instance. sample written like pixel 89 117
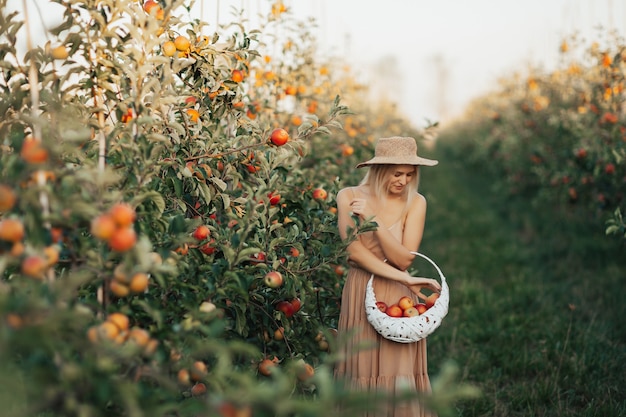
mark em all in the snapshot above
pixel 536 316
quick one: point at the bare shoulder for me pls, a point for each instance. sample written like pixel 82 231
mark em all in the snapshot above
pixel 350 192
pixel 417 200
pixel 344 193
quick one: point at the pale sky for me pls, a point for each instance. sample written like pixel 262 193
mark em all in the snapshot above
pixel 442 53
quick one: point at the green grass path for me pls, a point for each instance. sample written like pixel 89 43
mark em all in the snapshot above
pixel 537 315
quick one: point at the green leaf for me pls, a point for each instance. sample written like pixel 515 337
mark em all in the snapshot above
pixel 219 183
pixel 205 191
pixel 245 254
pixel 152 196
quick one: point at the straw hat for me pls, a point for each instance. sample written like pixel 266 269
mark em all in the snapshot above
pixel 397 151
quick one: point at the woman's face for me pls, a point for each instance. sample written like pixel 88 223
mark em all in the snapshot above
pixel 398 178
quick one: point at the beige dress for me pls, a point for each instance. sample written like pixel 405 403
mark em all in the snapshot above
pixel 383 366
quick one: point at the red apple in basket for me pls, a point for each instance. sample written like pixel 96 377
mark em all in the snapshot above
pixel 394 310
pixel 411 312
pixel 430 300
pixel 421 308
pixel 382 306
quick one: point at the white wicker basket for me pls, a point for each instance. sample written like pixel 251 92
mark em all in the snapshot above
pixel 407 329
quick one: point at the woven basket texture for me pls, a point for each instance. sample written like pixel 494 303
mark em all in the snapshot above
pixel 408 329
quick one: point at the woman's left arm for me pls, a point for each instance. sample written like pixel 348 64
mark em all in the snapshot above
pixel 399 253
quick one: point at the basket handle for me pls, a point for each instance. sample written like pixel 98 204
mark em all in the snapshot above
pixel 431 261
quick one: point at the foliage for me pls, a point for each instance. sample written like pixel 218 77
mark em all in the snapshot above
pixel 557 136
pixel 144 201
pixel 535 317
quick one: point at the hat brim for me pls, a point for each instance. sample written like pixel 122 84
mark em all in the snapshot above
pixel 416 161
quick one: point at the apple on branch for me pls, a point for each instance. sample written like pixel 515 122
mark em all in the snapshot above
pixel 273 279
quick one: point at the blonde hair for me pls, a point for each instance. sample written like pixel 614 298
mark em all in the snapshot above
pixel 377 175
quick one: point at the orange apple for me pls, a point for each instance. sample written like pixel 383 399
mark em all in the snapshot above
pixel 305 372
pixel 394 310
pixel 198 371
pixel 203 172
pixel 430 300
pixel 11 230
pixel 279 136
pixel 139 336
pixel 237 76
pixel 405 302
pixel 32 151
pixel 119 289
pixel 103 226
pixel 123 239
pixel 59 52
pixel 194 115
pixel 279 334
pixel 320 194
pixel 273 279
pixel 184 378
pixel 182 43
pixel 120 320
pixel 168 48
pixel 139 283
pixel 411 312
pixel 201 232
pixel 122 214
pixel 34 266
pixel 7 198
pixel 266 366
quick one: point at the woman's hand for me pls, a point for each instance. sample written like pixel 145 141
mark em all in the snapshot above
pixel 360 208
pixel 416 284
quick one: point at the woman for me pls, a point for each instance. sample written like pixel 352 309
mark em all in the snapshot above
pixel 388 196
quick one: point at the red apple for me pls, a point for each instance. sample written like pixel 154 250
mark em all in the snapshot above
pixel 609 168
pixel 274 198
pixel 279 136
pixel 198 389
pixel 273 279
pixel 421 308
pixel 320 194
pixel 285 307
pixel 208 248
pixel 201 232
pixel 394 310
pixel 296 304
pixel 382 306
pixel 405 302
